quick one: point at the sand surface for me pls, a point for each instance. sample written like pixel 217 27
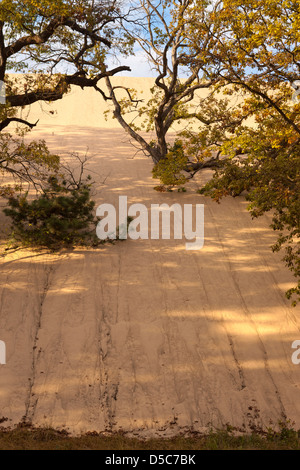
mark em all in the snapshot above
pixel 144 336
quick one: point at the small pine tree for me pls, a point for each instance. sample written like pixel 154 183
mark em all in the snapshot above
pixel 63 215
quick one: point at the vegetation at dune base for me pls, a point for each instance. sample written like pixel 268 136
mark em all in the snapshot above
pixel 26 438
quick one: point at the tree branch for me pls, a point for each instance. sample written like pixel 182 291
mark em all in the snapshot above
pixel 59 91
pixel 8 121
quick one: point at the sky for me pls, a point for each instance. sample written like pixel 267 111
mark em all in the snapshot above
pixel 138 64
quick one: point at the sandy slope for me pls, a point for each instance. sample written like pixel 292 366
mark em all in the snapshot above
pixel 145 336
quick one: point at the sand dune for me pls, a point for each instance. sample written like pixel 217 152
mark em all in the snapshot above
pixel 144 336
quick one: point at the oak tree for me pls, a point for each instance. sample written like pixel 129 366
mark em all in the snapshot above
pixel 260 54
pixel 56 45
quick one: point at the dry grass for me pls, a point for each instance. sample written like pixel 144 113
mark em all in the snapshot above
pixel 24 438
